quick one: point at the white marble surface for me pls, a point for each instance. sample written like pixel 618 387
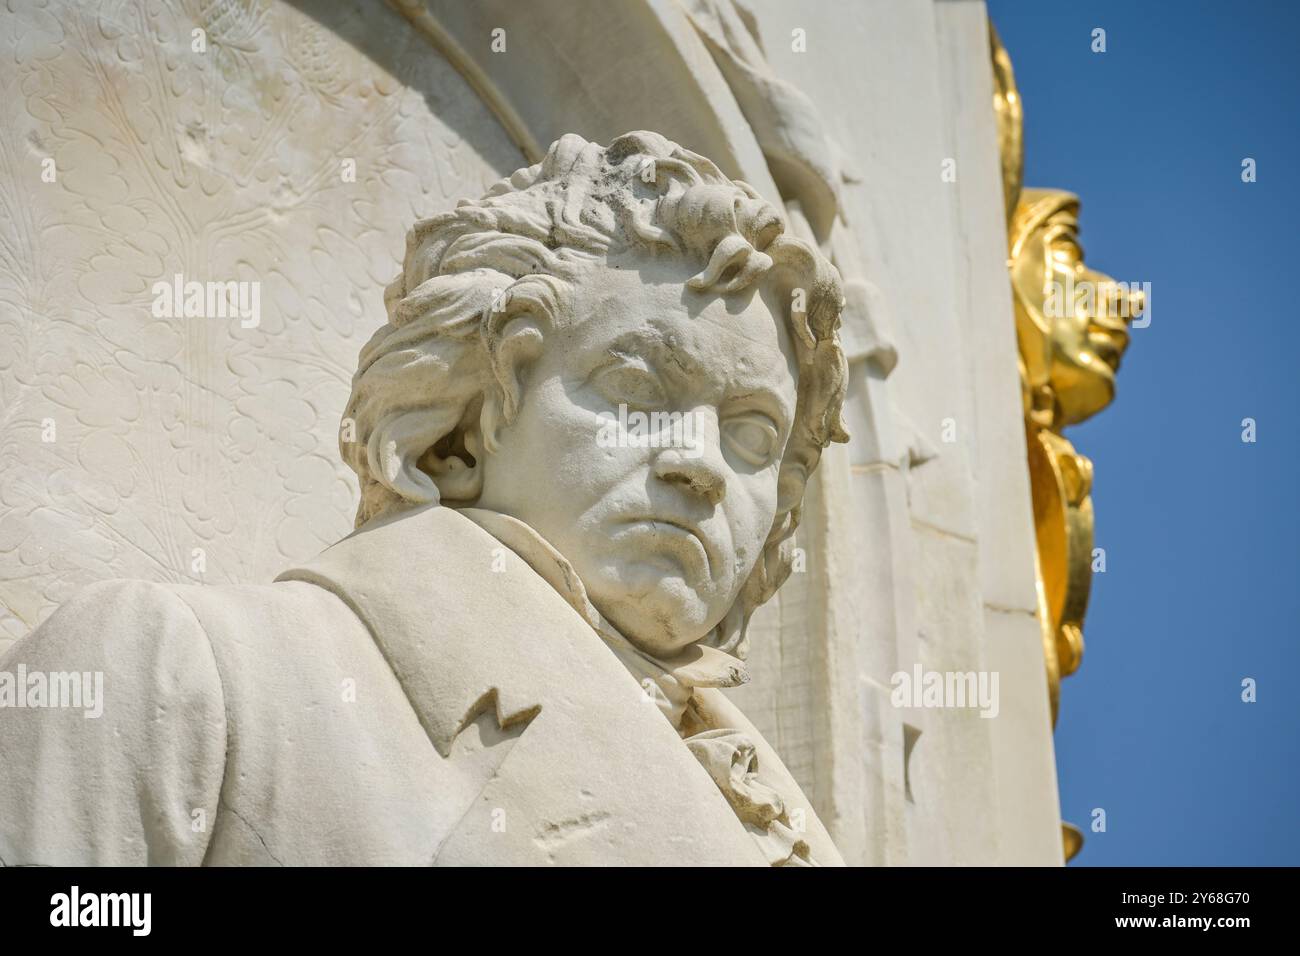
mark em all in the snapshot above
pixel 173 437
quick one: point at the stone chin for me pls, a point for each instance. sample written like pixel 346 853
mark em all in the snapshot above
pixel 662 584
pixel 653 606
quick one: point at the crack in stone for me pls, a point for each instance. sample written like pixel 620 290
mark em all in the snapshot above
pixel 242 819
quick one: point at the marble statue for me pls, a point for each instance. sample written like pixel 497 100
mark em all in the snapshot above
pixel 582 441
pixel 286 146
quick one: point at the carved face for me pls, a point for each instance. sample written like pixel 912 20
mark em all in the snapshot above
pixel 1070 320
pixel 663 527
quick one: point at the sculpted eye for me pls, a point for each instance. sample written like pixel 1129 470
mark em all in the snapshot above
pixel 753 437
pixel 1066 249
pixel 634 385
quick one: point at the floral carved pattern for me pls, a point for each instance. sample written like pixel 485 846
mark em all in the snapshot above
pixel 195 449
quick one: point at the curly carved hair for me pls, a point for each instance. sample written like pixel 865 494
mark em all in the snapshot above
pixel 438 365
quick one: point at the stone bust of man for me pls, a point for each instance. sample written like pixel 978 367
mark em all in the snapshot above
pixel 518 656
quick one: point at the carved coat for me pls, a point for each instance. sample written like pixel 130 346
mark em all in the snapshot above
pixel 414 695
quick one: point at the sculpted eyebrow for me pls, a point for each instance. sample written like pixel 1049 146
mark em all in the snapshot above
pixel 661 355
pixel 657 350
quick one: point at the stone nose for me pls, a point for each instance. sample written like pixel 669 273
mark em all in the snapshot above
pixel 696 463
pixel 700 475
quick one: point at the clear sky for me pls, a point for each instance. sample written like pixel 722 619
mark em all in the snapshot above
pixel 1200 529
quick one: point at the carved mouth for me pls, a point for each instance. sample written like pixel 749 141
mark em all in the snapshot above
pixel 1109 346
pixel 677 528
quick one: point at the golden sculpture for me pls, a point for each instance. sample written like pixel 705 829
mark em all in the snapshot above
pixel 1070 327
pixel 1071 330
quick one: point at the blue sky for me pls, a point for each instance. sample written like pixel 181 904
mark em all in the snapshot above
pixel 1200 529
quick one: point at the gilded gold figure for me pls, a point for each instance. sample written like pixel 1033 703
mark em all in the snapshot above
pixel 1071 321
pixel 1071 330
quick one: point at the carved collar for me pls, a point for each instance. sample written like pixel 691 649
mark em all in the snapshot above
pixel 671 682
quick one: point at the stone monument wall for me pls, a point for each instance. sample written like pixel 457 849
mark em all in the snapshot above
pixel 295 148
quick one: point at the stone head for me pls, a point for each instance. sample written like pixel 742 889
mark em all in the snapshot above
pixel 624 349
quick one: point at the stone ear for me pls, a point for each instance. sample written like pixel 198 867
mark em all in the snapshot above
pixel 513 336
pixel 455 463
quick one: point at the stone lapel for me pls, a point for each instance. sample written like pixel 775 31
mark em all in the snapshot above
pixel 576 764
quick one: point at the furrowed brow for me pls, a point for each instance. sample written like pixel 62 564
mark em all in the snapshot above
pixel 657 350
